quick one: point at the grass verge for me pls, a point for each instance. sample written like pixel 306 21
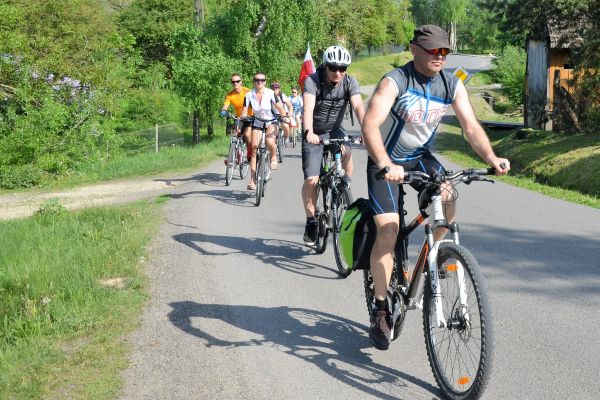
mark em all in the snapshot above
pixel 168 159
pixel 368 71
pixel 562 166
pixel 71 288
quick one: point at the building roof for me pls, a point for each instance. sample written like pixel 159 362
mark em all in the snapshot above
pixel 565 34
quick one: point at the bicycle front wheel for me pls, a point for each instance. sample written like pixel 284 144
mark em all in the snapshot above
pixel 260 161
pixel 460 354
pixel 342 200
pixel 321 215
pixel 280 147
pixel 230 164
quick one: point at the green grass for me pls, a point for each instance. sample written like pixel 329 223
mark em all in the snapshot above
pixel 61 326
pixel 369 71
pixel 167 159
pixel 562 166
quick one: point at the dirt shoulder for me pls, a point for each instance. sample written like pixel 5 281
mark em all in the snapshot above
pixel 25 204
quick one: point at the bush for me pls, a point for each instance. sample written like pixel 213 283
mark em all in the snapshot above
pixel 19 176
pixel 510 72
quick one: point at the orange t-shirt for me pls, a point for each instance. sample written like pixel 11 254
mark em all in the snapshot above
pixel 237 101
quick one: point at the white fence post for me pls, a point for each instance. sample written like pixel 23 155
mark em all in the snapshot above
pixel 156 137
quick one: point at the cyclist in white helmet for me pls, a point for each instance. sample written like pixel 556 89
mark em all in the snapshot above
pixel 326 95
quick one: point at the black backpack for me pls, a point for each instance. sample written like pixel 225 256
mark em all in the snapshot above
pixel 321 87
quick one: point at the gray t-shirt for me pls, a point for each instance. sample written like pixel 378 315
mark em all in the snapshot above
pixel 329 109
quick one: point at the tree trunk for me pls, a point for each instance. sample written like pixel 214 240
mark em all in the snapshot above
pixel 452 34
pixel 196 127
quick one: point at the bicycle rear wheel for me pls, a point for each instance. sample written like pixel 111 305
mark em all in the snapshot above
pixel 243 161
pixel 342 201
pixel 460 354
pixel 231 158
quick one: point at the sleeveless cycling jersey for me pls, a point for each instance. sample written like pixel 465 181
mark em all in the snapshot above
pixel 417 111
pixel 237 101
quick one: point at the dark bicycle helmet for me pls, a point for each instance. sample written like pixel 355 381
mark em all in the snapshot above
pixel 337 55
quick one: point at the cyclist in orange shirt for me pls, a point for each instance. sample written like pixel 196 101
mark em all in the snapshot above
pixel 235 98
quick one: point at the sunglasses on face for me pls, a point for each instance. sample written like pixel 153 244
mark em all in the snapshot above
pixel 333 68
pixel 235 82
pixel 434 52
pixel 259 80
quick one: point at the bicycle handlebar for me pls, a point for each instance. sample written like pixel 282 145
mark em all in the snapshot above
pixel 346 139
pixel 466 175
pixel 230 115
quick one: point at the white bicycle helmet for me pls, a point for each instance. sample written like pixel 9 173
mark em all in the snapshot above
pixel 337 55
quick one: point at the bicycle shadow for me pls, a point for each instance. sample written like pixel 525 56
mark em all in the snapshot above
pixel 334 344
pixel 240 198
pixel 282 254
pixel 206 178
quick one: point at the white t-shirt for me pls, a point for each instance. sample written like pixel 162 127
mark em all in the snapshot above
pixel 262 109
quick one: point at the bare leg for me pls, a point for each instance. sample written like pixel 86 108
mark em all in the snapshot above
pixel 255 138
pixel 310 195
pixel 382 255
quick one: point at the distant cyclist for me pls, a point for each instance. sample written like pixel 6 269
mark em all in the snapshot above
pixel 326 95
pixel 262 102
pixel 287 105
pixel 235 98
pixel 297 107
pixel 400 122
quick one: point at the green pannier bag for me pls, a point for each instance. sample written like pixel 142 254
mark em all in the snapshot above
pixel 357 234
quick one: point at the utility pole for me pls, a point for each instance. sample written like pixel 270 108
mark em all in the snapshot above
pixel 198 23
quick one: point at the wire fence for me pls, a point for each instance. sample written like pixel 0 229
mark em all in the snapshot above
pixel 154 138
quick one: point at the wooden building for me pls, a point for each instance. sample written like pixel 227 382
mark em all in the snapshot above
pixel 549 50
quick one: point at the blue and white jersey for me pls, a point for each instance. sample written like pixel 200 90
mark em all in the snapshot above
pixel 413 119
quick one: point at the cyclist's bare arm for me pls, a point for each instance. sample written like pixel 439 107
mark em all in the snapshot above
pixel 288 103
pixel 225 105
pixel 307 117
pixel 359 108
pixel 474 133
pixel 378 110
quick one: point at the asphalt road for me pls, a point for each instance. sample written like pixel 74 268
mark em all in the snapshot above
pixel 241 309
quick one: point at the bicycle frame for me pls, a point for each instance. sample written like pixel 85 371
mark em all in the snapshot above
pixel 412 286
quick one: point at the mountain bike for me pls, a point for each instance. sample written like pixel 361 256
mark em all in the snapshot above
pixel 336 196
pixel 447 284
pixel 237 156
pixel 263 161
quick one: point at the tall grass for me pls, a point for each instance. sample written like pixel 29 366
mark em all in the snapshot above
pixel 61 316
pixel 167 159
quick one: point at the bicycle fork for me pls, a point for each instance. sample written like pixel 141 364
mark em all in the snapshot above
pixel 434 276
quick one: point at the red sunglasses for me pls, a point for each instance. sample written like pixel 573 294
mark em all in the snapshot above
pixel 434 52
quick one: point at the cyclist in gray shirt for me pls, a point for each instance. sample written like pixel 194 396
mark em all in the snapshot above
pixel 326 95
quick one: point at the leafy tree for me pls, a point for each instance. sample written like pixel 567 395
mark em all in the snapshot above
pixel 510 72
pixel 270 35
pixel 201 71
pixel 374 27
pixel 480 31
pixel 152 22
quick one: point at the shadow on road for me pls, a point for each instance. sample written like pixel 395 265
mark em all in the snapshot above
pixel 336 345
pixel 541 264
pixel 282 254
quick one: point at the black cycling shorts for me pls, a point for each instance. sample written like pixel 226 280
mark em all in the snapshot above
pixel 383 195
pixel 313 153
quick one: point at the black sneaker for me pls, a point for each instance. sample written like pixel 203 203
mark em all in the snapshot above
pixel 310 233
pixel 380 331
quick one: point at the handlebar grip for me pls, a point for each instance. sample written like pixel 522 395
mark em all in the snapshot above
pixel 381 173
